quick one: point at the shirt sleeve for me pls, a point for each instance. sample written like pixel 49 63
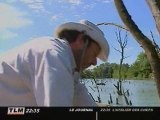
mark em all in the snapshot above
pixel 81 94
pixel 82 97
pixel 54 81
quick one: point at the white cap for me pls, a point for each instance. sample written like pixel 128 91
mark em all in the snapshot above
pixel 92 31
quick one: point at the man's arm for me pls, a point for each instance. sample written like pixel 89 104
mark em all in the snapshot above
pixel 55 80
pixel 81 95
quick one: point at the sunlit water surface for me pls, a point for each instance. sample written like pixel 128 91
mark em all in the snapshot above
pixel 141 92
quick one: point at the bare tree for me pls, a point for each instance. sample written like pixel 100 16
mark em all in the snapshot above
pixel 155 44
pixel 122 44
pixel 154 6
pixel 143 40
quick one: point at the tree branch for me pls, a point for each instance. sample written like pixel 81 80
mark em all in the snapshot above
pixel 142 40
pixel 114 24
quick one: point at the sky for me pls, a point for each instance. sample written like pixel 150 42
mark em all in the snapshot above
pixel 22 20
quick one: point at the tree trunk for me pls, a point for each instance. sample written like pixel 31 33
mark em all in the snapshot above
pixel 145 42
pixel 154 6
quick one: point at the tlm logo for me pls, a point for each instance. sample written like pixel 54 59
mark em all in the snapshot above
pixel 16 110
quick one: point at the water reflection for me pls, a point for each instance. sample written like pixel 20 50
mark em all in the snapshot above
pixel 140 92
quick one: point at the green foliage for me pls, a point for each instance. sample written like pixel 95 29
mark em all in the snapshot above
pixel 140 69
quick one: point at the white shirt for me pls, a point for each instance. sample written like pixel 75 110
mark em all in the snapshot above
pixel 41 73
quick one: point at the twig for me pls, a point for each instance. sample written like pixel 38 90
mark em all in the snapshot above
pixel 99 98
pixel 114 24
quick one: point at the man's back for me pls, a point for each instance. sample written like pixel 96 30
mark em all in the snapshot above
pixel 22 71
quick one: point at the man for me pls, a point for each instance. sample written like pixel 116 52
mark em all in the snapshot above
pixel 45 71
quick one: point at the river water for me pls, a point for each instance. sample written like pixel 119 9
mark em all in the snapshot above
pixel 138 92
